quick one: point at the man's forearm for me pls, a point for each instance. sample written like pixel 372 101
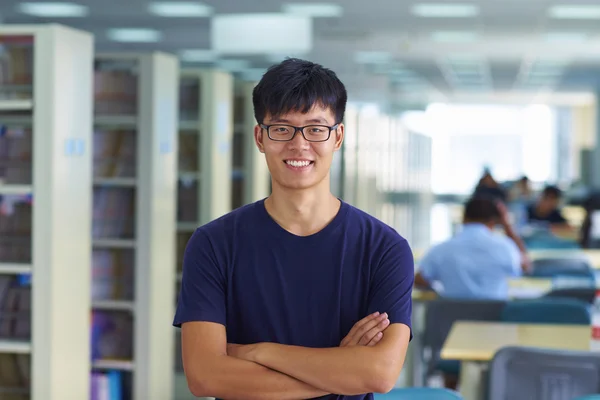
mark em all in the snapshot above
pixel 231 378
pixel 340 370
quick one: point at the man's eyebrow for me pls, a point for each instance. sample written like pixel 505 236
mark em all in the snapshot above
pixel 310 121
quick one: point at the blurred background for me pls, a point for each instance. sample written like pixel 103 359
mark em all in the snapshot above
pixel 124 125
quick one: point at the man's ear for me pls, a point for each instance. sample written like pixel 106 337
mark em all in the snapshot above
pixel 258 138
pixel 339 136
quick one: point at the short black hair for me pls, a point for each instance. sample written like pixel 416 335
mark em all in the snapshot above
pixel 481 209
pixel 552 191
pixel 298 85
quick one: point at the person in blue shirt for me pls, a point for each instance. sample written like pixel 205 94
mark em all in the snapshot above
pixel 299 295
pixel 476 263
pixel 546 208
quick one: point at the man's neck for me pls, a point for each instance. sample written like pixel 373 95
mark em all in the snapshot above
pixel 302 212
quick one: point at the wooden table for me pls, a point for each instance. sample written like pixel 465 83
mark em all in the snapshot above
pixel 475 343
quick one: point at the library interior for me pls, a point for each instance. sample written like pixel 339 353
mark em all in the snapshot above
pixel 472 128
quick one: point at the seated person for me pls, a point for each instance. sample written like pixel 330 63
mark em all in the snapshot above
pixel 545 209
pixel 475 263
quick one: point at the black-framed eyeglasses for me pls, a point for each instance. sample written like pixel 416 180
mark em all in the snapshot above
pixel 312 133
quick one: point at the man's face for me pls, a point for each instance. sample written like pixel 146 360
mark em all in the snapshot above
pixel 548 203
pixel 299 163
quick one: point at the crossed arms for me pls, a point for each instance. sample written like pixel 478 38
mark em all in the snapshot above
pixel 366 361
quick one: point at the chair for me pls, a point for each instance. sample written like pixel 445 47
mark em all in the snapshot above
pixel 527 373
pixel 547 311
pixel 419 394
pixel 586 295
pixel 589 397
pixel 440 314
pixel 549 267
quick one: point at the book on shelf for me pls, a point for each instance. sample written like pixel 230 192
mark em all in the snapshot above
pixel 115 89
pixel 113 215
pixel 16 68
pixel 110 385
pixel 15 154
pixel 189 98
pixel 15 308
pixel 113 274
pixel 15 376
pixel 112 335
pixel 188 152
pixel 115 153
pixel 187 200
pixel 15 228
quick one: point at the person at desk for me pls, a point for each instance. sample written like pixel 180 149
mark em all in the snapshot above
pixel 545 209
pixel 476 263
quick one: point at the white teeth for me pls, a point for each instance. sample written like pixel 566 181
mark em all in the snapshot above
pixel 298 163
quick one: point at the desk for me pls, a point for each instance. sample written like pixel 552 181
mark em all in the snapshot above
pixel 475 343
pixel 592 255
pixel 518 288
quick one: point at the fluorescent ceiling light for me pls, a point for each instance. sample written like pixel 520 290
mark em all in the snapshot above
pixel 232 65
pixel 582 11
pixel 315 10
pixel 180 9
pixel 439 10
pixel 197 55
pixel 138 35
pixel 454 36
pixel 372 57
pixel 260 34
pixel 566 37
pixel 57 10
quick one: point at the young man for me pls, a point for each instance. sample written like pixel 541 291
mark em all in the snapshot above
pixel 279 297
pixel 476 263
pixel 546 210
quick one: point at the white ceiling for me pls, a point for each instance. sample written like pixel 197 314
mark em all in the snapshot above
pixel 510 59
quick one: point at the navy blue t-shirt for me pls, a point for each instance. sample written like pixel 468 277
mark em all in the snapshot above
pixel 265 284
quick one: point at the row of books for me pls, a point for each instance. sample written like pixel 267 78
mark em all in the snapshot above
pixel 187 200
pixel 113 274
pixel 189 99
pixel 115 153
pixel 112 335
pixel 15 228
pixel 15 154
pixel 115 92
pixel 15 308
pixel 107 385
pixel 182 240
pixel 15 376
pixel 16 64
pixel 188 152
pixel 113 215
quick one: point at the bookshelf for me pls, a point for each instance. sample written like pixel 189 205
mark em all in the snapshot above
pixel 204 163
pixel 250 177
pixel 134 205
pixel 45 208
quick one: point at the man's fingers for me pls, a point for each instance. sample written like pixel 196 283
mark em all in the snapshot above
pixel 376 339
pixel 353 332
pixel 360 332
pixel 371 333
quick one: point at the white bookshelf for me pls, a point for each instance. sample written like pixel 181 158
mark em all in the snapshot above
pixel 136 115
pixel 204 178
pixel 251 179
pixel 46 105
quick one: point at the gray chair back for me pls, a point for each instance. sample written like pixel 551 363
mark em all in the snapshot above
pixel 549 267
pixel 583 294
pixel 440 314
pixel 542 374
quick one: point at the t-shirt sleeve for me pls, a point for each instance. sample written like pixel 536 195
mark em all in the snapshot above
pixel 202 296
pixel 556 217
pixel 392 284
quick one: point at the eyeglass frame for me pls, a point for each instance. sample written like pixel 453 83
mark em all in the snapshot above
pixel 301 129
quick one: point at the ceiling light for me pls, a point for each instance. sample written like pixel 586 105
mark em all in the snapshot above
pixel 180 9
pixel 575 12
pixel 139 35
pixel 437 10
pixel 566 37
pixel 197 55
pixel 454 36
pixel 323 10
pixel 372 57
pixel 57 10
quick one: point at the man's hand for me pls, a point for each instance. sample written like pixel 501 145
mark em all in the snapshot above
pixel 367 332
